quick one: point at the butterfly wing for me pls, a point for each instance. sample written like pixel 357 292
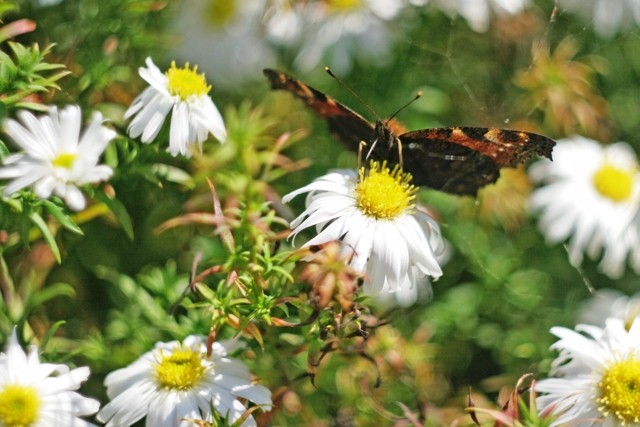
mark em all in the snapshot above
pixel 349 126
pixel 462 160
pixel 457 160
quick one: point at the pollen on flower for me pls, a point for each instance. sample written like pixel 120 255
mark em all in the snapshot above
pixel 19 406
pixel 613 182
pixel 185 82
pixel 345 5
pixel 64 160
pixel 620 391
pixel 180 370
pixel 383 193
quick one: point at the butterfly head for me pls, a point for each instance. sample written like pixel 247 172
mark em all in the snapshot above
pixel 384 137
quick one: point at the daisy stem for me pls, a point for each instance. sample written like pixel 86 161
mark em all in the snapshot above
pixel 6 284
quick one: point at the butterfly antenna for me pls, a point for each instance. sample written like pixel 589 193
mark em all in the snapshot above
pixel 352 92
pixel 415 98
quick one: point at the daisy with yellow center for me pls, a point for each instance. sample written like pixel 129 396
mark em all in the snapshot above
pixel 591 196
pixel 183 92
pixel 372 213
pixel 598 372
pixel 336 33
pixel 177 381
pixel 57 158
pixel 34 394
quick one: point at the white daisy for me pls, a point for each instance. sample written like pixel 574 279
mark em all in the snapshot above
pixel 477 13
pixel 598 374
pixel 38 394
pixel 592 198
pixel 233 30
pixel 177 381
pixel 57 158
pixel 333 32
pixel 373 215
pixel 183 92
pixel 606 303
pixel 608 16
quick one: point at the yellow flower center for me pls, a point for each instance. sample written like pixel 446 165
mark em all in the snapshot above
pixel 613 182
pixel 383 193
pixel 620 392
pixel 180 370
pixel 345 5
pixel 222 12
pixel 19 406
pixel 185 83
pixel 64 160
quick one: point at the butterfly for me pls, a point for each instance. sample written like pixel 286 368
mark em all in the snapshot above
pixel 456 160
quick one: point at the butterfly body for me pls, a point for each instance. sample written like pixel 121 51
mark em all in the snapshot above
pixel 457 160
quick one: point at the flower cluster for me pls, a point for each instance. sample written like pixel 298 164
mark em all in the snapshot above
pixel 175 384
pixel 57 158
pixel 179 381
pixel 366 233
pixel 337 33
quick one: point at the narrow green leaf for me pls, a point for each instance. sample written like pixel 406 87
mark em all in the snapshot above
pixel 46 233
pixel 47 337
pixel 48 293
pixel 61 216
pixel 119 211
pixel 173 174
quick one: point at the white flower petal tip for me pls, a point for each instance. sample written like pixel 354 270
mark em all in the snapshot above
pixel 57 157
pixel 183 94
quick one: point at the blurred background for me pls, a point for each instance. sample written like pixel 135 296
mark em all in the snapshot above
pixel 556 68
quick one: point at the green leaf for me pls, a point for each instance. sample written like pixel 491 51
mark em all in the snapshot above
pixel 48 293
pixel 173 174
pixel 6 7
pixel 119 211
pixel 63 218
pixel 47 337
pixel 46 233
pixel 34 106
pixel 4 151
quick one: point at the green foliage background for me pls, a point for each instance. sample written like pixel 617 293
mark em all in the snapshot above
pixel 502 289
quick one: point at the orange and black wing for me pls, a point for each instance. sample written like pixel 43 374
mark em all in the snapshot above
pixel 458 160
pixel 462 160
pixel 349 126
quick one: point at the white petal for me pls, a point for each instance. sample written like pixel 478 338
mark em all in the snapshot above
pixel 179 133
